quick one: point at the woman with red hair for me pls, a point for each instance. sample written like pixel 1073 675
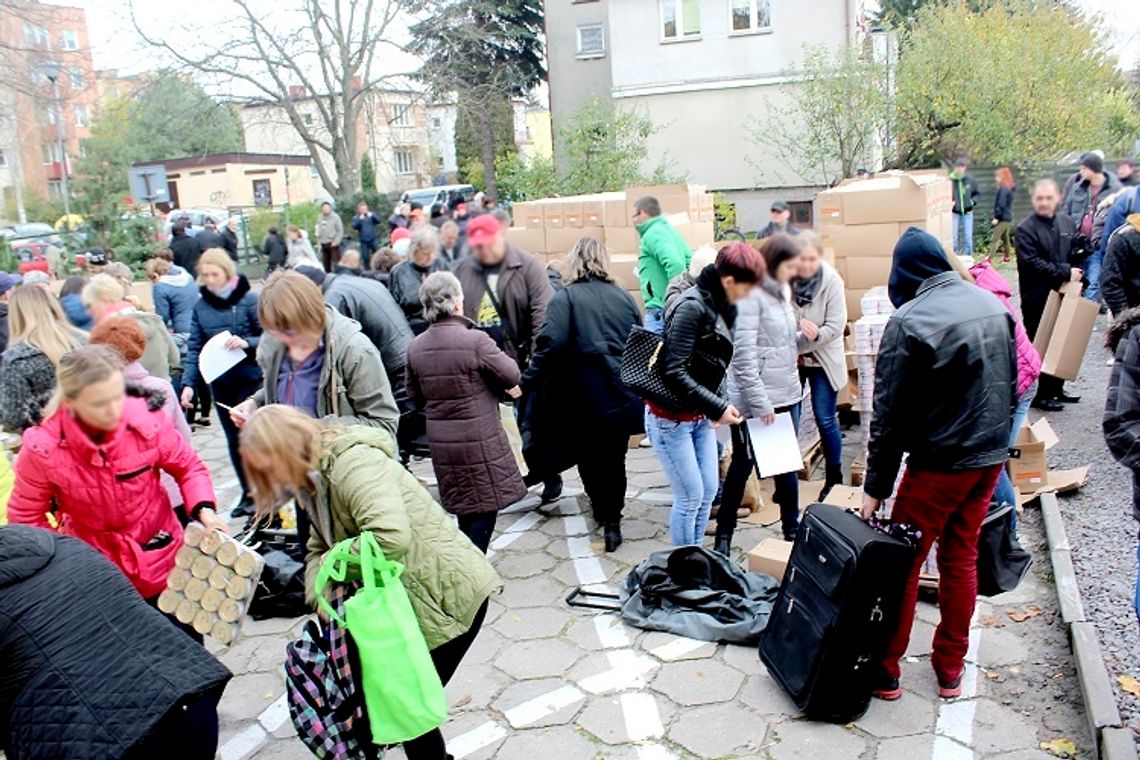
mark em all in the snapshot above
pixel 695 354
pixel 1003 213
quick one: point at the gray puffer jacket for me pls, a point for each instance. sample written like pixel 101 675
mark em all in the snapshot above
pixel 763 376
pixel 27 379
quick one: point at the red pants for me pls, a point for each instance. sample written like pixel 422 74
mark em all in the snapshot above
pixel 947 507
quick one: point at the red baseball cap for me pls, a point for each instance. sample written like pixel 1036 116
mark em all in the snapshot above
pixel 400 233
pixel 483 229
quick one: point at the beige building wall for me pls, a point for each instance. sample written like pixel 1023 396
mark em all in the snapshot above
pixel 232 184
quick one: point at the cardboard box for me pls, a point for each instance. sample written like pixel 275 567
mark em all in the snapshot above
pixel 622 239
pixel 840 266
pixel 770 557
pixel 847 497
pixel 888 197
pixel 697 234
pixel 1064 332
pixel 867 272
pixel 593 211
pixel 674 199
pixel 637 299
pixel 854 302
pixel 616 211
pixel 552 214
pixel 624 269
pixel 559 240
pixel 858 240
pixel 1056 481
pixel 531 240
pixel 1027 466
pixel 572 213
pixel 528 215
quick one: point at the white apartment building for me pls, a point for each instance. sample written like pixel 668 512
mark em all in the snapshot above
pixel 704 71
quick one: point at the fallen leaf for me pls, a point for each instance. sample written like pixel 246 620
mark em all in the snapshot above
pixel 991 621
pixel 1017 616
pixel 1060 747
pixel 1129 684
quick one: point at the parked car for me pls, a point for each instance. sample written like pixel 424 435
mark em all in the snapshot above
pixel 442 194
pixel 35 232
pixel 197 217
pixel 32 255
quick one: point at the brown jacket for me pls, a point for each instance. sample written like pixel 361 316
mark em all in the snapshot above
pixel 523 293
pixel 459 373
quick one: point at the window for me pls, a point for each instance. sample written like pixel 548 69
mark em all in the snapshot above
pixel 55 188
pixel 75 77
pixel 81 117
pixel 404 161
pixel 46 113
pixel 262 196
pixel 750 15
pixel 36 36
pixel 68 40
pixel 680 20
pixel 307 119
pixel 3 158
pixel 436 122
pixel 400 115
pixel 51 153
pixel 591 41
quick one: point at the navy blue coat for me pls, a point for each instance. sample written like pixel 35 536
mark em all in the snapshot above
pixel 212 315
pixel 175 294
pixel 368 227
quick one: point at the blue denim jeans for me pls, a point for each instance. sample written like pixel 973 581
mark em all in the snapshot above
pixel 823 406
pixel 687 452
pixel 1092 268
pixel 655 320
pixel 1005 493
pixel 962 234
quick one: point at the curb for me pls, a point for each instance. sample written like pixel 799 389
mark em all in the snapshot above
pixel 1114 740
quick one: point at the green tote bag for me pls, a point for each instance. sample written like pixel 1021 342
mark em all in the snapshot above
pixel 402 690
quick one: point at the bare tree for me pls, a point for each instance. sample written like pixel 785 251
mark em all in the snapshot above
pixel 316 62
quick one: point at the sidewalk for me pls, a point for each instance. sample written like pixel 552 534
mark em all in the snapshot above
pixel 545 678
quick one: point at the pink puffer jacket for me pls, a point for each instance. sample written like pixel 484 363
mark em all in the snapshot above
pixel 110 494
pixel 1028 360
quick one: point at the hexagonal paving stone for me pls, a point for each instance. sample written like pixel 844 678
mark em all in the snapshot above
pixel 539 743
pixel 905 748
pixel 474 686
pixel 488 643
pixel 921 639
pixel 584 632
pixel 999 729
pixel 538 659
pixel 744 658
pixel 909 715
pixel 614 670
pixel 585 571
pixel 999 648
pixel 517 565
pixel 671 648
pixel 457 732
pixel 611 719
pixel 523 623
pixel 635 530
pixel 651 479
pixel 806 740
pixel 766 697
pixel 543 702
pixel 699 682
pixel 248 694
pixel 726 730
pixel 532 540
pixel 533 592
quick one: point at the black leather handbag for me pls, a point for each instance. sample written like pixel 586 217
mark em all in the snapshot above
pixel 641 369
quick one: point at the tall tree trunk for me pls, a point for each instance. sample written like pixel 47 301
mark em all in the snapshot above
pixel 487 133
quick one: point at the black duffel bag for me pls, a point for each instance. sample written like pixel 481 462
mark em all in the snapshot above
pixel 1002 563
pixel 281 587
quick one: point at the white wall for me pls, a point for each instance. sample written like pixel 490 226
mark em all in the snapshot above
pixel 443 137
pixel 640 60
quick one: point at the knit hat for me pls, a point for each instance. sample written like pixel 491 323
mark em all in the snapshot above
pixel 400 233
pixel 96 257
pixel 1092 162
pixel 702 257
pixel 123 334
pixel 918 257
pixel 9 281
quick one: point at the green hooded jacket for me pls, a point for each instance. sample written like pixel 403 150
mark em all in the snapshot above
pixel 664 255
pixel 361 486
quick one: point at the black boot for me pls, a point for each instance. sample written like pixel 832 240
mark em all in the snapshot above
pixel 612 536
pixel 552 489
pixel 722 544
pixel 833 478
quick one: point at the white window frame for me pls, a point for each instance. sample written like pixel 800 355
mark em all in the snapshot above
pixel 51 150
pixel 82 118
pixel 76 82
pixel 679 17
pixel 68 40
pixel 587 54
pixel 753 19
pixel 400 115
pixel 404 161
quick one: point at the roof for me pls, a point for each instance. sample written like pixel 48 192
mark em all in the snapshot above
pixel 218 159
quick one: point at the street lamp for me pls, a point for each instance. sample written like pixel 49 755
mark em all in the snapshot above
pixel 52 70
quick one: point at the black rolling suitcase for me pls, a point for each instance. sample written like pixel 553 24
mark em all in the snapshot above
pixel 836 611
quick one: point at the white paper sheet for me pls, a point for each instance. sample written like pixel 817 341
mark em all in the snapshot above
pixel 215 359
pixel 776 447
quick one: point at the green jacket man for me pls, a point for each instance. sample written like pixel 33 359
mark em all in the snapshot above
pixel 664 253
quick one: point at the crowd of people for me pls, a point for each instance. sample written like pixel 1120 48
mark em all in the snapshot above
pixel 356 357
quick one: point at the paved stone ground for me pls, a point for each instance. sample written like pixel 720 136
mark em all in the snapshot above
pixel 544 678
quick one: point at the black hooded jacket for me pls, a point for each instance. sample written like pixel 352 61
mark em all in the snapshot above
pixel 946 375
pixel 698 345
pixel 89 668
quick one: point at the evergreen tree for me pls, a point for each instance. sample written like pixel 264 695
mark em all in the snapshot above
pixel 367 173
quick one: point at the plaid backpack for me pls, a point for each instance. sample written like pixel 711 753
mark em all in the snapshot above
pixel 326 708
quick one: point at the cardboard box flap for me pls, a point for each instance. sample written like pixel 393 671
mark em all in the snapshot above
pixel 1043 431
pixel 1056 481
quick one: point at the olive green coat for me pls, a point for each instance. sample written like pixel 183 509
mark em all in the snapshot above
pixel 361 486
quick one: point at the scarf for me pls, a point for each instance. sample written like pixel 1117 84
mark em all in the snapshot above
pixel 227 290
pixel 806 288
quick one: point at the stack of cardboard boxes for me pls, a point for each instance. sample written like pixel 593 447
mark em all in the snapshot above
pixel 549 228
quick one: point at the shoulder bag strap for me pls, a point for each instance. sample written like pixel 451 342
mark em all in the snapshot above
pixel 507 328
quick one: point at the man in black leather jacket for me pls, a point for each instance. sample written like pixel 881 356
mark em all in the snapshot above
pixel 945 390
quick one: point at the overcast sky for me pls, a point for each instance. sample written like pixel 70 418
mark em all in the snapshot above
pixel 116 46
